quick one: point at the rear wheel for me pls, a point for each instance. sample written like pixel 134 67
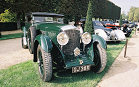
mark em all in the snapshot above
pixel 45 64
pixel 100 59
pixel 31 37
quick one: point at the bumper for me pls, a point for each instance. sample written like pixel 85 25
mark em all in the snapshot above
pixel 78 61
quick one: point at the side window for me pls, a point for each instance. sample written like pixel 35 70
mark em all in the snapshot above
pixel 28 18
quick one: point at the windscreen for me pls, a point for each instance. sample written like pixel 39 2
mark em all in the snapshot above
pixel 97 23
pixel 38 19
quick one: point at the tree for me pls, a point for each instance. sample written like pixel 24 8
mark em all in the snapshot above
pixel 88 24
pixel 121 22
pixel 131 13
pixel 24 6
pixel 136 15
pixel 72 9
pixel 3 6
pixel 124 16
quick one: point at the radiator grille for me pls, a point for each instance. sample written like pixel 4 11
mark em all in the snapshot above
pixel 74 41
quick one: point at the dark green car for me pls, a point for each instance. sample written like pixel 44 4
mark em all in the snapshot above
pixel 61 46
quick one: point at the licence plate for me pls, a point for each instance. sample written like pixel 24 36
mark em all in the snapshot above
pixel 81 68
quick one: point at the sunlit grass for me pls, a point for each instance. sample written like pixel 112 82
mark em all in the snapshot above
pixel 11 36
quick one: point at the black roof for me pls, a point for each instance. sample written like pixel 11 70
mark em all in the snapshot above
pixel 46 14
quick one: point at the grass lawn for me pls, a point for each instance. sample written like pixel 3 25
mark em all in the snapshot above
pixel 11 36
pixel 26 74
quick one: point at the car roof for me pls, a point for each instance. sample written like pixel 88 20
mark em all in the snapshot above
pixel 46 14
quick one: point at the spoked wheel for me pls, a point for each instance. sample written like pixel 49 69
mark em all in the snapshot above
pixel 31 37
pixel 100 59
pixel 45 64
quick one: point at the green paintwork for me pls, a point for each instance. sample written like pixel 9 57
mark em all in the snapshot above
pixel 100 40
pixel 24 31
pixel 50 32
pixel 50 29
pixel 45 42
pixel 76 61
pixel 28 24
pixel 48 37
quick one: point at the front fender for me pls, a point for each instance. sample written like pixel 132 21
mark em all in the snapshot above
pixel 45 42
pixel 100 40
pixel 24 31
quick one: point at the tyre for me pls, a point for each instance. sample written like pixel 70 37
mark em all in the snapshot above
pixel 100 59
pixel 23 43
pixel 31 37
pixel 45 64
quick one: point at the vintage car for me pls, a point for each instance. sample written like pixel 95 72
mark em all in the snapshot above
pixel 108 34
pixel 61 46
pixel 127 31
pixel 110 25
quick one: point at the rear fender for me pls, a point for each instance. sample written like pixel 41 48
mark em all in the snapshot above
pixel 45 43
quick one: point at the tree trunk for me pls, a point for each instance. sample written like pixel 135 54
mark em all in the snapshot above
pixel 0 34
pixel 18 21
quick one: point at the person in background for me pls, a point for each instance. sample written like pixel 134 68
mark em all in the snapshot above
pixel 79 27
pixel 125 27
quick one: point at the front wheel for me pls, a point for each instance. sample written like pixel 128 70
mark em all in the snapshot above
pixel 100 58
pixel 45 64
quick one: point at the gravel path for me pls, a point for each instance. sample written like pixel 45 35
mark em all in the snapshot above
pixel 124 71
pixel 11 53
pixel 11 32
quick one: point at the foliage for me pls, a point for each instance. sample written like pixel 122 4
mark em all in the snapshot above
pixel 136 15
pixel 7 16
pixel 124 16
pixel 72 9
pixel 88 24
pixel 3 5
pixel 133 14
pixel 111 11
pixel 121 22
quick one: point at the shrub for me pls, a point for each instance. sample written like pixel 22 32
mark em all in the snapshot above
pixel 7 16
pixel 88 24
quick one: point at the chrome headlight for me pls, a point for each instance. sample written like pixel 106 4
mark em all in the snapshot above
pixel 86 38
pixel 62 38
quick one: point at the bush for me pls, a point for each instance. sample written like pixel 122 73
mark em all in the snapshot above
pixel 7 16
pixel 88 24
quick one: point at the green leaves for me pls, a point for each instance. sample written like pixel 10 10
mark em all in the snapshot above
pixel 7 16
pixel 133 14
pixel 88 23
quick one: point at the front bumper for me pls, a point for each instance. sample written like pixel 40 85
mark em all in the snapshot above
pixel 78 61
